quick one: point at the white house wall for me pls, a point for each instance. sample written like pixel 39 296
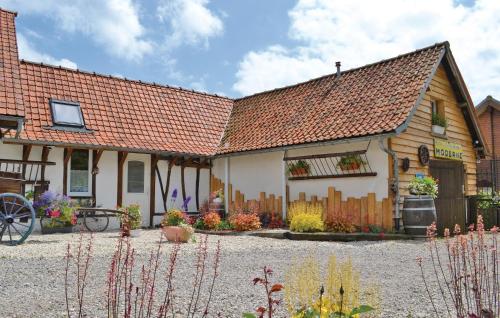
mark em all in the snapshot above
pixel 106 180
pixel 262 172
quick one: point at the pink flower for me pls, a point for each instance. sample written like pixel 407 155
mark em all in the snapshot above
pixel 55 213
pixel 73 219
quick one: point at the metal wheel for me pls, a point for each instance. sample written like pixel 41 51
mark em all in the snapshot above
pixel 95 221
pixel 17 218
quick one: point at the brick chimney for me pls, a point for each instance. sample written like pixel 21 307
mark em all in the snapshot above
pixel 11 99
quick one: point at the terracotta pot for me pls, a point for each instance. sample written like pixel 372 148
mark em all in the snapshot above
pixel 299 172
pixel 176 233
pixel 350 166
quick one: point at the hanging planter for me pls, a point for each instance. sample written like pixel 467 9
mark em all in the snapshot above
pixel 350 162
pixel 299 168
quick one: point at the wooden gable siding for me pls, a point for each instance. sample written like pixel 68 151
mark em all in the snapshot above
pixel 419 133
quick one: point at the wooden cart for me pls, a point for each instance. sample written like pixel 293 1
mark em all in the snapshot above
pixel 17 216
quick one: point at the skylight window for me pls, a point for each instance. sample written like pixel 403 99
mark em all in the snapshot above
pixel 66 113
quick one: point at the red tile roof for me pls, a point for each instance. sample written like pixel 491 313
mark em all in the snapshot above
pixel 11 102
pixel 124 114
pixel 121 113
pixel 370 100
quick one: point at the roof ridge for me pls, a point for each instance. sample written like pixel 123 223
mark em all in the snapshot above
pixel 146 83
pixel 444 43
pixel 9 11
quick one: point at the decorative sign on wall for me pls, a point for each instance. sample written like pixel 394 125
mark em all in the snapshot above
pixel 423 155
pixel 447 150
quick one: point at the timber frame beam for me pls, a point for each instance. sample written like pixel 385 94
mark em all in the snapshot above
pixel 67 157
pixel 122 157
pixel 96 157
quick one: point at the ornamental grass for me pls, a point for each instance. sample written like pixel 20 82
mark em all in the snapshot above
pixel 338 293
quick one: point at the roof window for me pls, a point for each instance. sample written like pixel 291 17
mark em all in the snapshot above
pixel 66 113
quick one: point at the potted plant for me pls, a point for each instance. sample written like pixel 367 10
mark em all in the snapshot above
pixel 131 220
pixel 439 124
pixel 419 210
pixel 56 212
pixel 350 162
pixel 299 168
pixel 176 227
pixel 176 223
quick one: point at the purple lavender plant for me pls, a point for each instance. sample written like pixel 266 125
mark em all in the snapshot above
pixel 185 204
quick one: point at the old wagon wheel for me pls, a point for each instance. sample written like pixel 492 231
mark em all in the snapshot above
pixel 95 221
pixel 17 218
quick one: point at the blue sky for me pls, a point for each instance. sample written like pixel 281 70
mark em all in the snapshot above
pixel 237 48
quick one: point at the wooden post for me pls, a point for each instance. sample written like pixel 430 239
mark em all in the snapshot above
pixel 96 156
pixel 330 210
pixel 198 189
pixel 67 157
pixel 26 155
pixel 122 157
pixel 45 158
pixel 183 182
pixel 371 203
pixel 152 189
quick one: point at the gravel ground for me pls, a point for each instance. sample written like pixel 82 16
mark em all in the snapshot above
pixel 32 275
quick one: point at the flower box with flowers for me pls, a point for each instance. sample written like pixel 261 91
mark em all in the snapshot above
pixel 56 212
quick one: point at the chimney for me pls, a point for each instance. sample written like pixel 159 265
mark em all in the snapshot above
pixel 337 64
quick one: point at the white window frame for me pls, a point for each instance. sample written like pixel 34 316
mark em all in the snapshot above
pixel 67 104
pixel 80 194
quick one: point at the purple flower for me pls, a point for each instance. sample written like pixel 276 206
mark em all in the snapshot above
pixel 185 203
pixel 174 194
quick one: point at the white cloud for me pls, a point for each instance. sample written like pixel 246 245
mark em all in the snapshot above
pixel 191 22
pixel 357 32
pixel 28 52
pixel 113 24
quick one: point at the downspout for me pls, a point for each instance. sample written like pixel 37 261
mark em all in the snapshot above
pixel 395 185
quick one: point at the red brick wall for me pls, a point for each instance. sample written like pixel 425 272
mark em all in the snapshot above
pixel 485 124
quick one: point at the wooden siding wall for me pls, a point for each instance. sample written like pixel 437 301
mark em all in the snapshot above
pixel 419 133
pixel 363 211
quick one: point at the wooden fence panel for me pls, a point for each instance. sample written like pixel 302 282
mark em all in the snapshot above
pixel 362 211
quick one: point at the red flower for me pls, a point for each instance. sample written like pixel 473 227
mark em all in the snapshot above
pixel 73 219
pixel 55 213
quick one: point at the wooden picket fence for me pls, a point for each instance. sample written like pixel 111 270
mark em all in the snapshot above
pixel 362 211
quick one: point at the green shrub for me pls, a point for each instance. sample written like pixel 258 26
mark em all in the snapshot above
pixel 305 222
pixel 439 120
pixel 135 219
pixel 224 225
pixel 423 186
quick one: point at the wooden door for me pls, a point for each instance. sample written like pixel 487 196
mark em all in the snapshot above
pixel 450 203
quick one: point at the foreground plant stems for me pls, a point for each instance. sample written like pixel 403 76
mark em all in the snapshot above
pixel 81 272
pixel 272 302
pixel 471 274
pixel 124 297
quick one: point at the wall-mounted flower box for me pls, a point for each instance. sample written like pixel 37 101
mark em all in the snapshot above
pixel 329 165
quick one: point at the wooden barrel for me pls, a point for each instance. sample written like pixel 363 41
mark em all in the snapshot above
pixel 418 213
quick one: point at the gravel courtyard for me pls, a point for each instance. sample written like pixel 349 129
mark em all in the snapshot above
pixel 32 275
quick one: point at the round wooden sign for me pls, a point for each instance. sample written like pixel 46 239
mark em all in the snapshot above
pixel 423 155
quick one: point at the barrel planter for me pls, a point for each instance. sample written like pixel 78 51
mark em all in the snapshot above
pixel 419 212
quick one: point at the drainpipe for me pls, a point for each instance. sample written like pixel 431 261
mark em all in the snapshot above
pixel 227 180
pixel 283 187
pixel 395 185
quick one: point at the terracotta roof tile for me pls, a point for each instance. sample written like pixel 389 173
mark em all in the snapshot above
pixel 369 100
pixel 123 113
pixel 11 102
